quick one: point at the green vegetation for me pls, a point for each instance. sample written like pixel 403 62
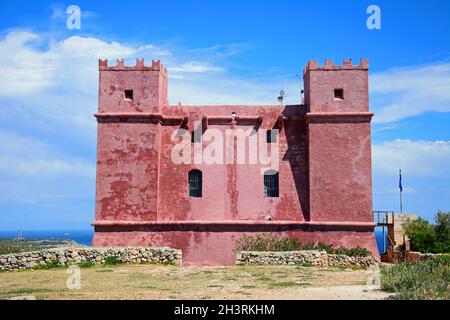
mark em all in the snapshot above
pixel 112 260
pixel 49 265
pixel 430 238
pixel 86 264
pixel 267 242
pixel 286 284
pixel 8 246
pixel 28 291
pixel 352 252
pixel 13 246
pixel 422 280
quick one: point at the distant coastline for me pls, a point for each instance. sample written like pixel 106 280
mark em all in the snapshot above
pixel 83 237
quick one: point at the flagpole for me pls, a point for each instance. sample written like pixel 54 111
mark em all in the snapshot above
pixel 401 190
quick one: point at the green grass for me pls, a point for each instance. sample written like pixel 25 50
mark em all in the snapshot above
pixel 86 264
pixel 105 270
pixel 287 284
pixel 28 291
pixel 304 264
pixel 424 280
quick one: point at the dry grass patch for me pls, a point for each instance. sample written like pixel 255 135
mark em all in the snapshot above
pixel 150 281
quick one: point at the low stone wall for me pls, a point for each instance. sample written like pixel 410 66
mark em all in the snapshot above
pixel 76 255
pixel 414 256
pixel 304 257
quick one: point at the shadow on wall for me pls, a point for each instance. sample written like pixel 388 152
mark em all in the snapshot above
pixel 297 154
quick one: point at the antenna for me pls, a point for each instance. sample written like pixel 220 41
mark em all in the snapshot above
pixel 281 97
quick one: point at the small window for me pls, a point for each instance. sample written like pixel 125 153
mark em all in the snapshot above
pixel 129 94
pixel 271 136
pixel 195 183
pixel 339 94
pixel 271 184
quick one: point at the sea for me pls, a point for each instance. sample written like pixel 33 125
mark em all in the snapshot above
pixel 84 237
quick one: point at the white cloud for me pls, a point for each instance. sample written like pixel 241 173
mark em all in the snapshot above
pixel 60 82
pixel 195 67
pixel 406 92
pixel 214 90
pixel 70 64
pixel 23 155
pixel 418 158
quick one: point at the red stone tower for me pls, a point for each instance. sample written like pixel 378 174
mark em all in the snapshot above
pixel 130 104
pixel 323 177
pixel 339 154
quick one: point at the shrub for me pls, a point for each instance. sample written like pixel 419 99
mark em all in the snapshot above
pixel 49 265
pixel 323 246
pixel 267 242
pixel 112 260
pixel 353 252
pixel 422 280
pixel 308 246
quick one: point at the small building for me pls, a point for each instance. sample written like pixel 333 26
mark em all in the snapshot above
pixel 198 178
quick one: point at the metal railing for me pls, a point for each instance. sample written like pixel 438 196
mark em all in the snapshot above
pixel 382 217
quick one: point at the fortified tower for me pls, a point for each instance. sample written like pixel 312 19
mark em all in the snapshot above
pixel 129 112
pixel 339 144
pixel 319 189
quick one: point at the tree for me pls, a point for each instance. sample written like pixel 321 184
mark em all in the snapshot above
pixel 421 234
pixel 430 238
pixel 442 229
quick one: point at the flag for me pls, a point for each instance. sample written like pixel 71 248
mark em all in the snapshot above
pixel 400 181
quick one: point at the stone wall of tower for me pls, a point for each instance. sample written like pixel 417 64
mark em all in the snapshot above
pixel 129 140
pixel 339 139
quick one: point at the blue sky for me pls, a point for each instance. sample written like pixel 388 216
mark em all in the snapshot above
pixel 228 52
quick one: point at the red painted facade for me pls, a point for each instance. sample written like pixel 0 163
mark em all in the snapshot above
pixel 324 148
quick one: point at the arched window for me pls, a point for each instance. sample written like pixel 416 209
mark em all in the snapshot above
pixel 195 183
pixel 271 183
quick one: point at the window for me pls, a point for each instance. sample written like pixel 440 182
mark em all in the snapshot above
pixel 129 94
pixel 271 136
pixel 271 184
pixel 339 94
pixel 195 183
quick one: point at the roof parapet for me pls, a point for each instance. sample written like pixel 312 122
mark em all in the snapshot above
pixel 329 65
pixel 139 66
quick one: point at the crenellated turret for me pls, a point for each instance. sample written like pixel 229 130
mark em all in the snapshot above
pixel 137 88
pixel 338 125
pixel 331 88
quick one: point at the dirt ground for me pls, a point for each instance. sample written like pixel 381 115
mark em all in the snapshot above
pixel 148 281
